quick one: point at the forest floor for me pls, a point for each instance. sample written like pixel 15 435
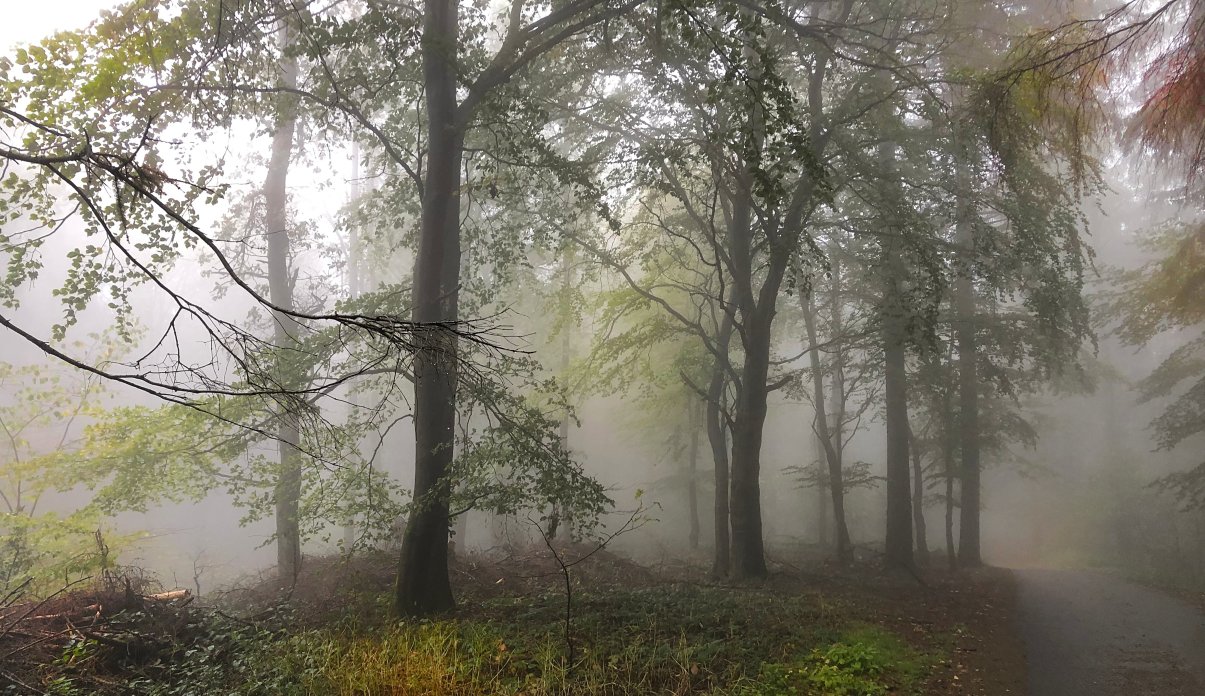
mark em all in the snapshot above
pixel 632 629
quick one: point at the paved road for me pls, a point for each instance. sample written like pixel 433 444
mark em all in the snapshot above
pixel 1088 634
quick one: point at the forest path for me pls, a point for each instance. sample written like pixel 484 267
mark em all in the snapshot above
pixel 1087 633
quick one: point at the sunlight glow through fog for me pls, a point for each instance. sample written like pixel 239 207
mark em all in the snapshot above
pixel 26 22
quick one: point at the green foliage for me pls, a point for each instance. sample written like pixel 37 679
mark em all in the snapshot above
pixel 86 102
pixel 867 661
pixel 41 415
pixel 226 655
pixel 1157 299
pixel 512 458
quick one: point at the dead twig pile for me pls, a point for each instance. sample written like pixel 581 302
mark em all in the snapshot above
pixel 93 627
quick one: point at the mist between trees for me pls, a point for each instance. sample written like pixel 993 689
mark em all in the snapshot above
pixel 911 281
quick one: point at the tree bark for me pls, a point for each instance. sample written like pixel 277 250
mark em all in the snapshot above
pixel 558 523
pixel 822 494
pixel 899 499
pixel 947 455
pixel 692 468
pixel 748 548
pixel 717 437
pixel 836 409
pixel 830 441
pixel 918 504
pixel 280 291
pixel 354 290
pixel 969 555
pixel 893 318
pixel 748 423
pixel 423 586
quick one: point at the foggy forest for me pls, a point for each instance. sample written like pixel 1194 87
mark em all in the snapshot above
pixel 467 347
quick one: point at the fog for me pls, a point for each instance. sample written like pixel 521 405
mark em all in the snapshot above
pixel 593 258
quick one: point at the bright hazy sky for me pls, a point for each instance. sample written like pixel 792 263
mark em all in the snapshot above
pixel 26 21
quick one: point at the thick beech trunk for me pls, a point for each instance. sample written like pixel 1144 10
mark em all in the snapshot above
pixel 749 416
pixel 748 550
pixel 423 586
pixel 280 291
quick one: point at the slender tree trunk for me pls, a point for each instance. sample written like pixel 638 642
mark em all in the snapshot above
pixel 899 499
pixel 354 290
pixel 558 522
pixel 423 586
pixel 836 409
pixel 898 546
pixel 918 504
pixel 717 437
pixel 692 467
pixel 280 291
pixel 969 555
pixel 822 494
pixel 830 441
pixel 947 455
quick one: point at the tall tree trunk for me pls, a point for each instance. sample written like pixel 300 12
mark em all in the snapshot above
pixel 717 437
pixel 748 548
pixel 893 319
pixel 756 309
pixel 558 522
pixel 748 544
pixel 947 456
pixel 918 504
pixel 423 586
pixel 353 292
pixel 692 467
pixel 969 555
pixel 822 494
pixel 899 499
pixel 836 409
pixel 830 441
pixel 280 291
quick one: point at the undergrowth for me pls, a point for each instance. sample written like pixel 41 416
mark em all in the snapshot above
pixel 668 639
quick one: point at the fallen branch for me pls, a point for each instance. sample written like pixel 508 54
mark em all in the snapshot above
pixel 169 596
